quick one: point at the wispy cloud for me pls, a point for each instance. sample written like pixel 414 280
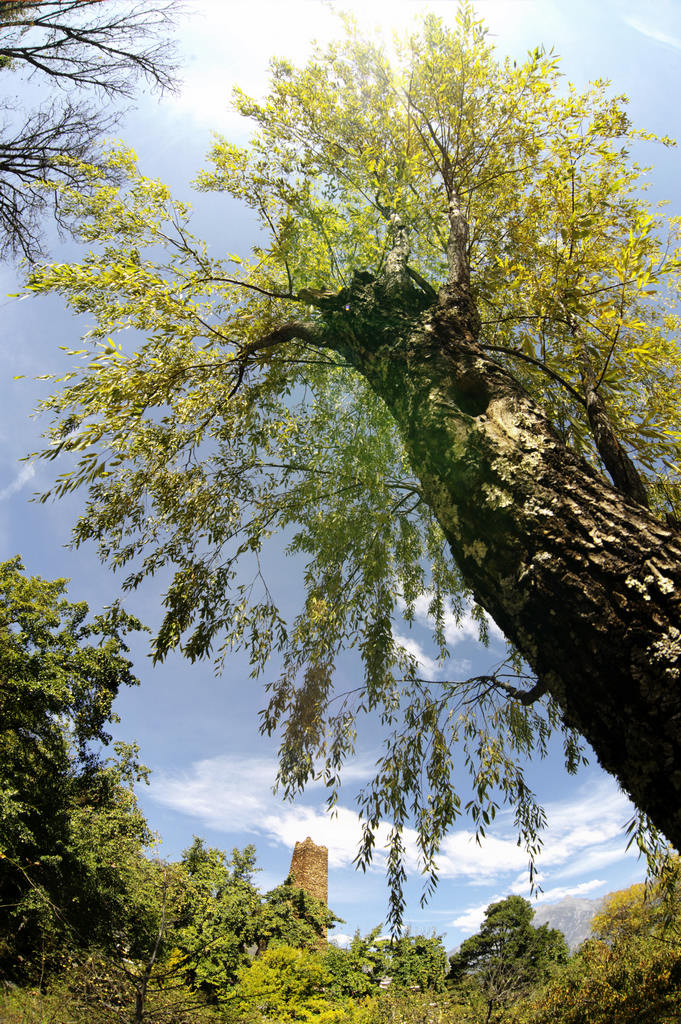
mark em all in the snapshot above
pixel 587 828
pixel 224 50
pixel 472 918
pixel 462 857
pixel 457 630
pixel 25 474
pixel 341 832
pixel 560 892
pixel 429 667
pixel 653 32
pixel 234 794
pixel 596 858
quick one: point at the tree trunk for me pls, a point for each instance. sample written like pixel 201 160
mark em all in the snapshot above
pixel 585 582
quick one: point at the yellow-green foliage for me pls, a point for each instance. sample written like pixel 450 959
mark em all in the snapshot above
pixel 604 985
pixel 287 984
pixel 28 1006
pixel 399 1007
pixel 629 972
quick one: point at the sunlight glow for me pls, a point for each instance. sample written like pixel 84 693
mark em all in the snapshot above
pixel 228 43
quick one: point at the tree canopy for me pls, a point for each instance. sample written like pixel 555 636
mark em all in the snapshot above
pixel 630 969
pixel 509 956
pixel 71 829
pixel 459 316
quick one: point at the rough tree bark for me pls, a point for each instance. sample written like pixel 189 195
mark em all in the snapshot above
pixel 582 578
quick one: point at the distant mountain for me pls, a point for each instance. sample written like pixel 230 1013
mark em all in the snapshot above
pixel 572 916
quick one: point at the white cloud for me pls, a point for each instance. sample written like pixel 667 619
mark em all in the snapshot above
pixel 456 630
pixel 597 858
pixel 462 856
pixel 472 918
pixel 224 792
pixel 653 32
pixel 341 940
pixel 429 667
pixel 234 794
pixel 228 43
pixel 560 892
pixel 25 474
pixel 584 834
pixel 579 828
pixel 340 833
pixel 467 629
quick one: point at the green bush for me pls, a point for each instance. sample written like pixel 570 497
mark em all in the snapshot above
pixel 410 961
pixel 287 985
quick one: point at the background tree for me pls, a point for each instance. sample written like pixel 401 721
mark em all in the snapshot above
pixel 461 319
pixel 356 971
pixel 289 984
pixel 417 961
pixel 509 956
pixel 83 56
pixel 80 897
pixel 69 820
pixel 291 916
pixel 218 918
pixel 411 962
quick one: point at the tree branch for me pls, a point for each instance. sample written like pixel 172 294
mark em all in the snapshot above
pixel 254 287
pixel 540 365
pixel 287 332
pixel 422 283
pixel 622 470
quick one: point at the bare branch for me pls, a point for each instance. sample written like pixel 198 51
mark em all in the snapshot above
pixel 73 46
pixel 91 44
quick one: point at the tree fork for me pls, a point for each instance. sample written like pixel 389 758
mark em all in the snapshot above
pixel 586 584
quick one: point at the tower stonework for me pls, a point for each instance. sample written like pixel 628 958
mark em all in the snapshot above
pixel 310 869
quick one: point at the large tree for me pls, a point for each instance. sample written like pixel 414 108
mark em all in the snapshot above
pixel 457 324
pixel 84 56
pixel 509 957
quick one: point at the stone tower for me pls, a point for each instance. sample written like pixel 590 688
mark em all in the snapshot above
pixel 310 869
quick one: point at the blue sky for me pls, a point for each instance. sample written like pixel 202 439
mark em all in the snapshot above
pixel 212 773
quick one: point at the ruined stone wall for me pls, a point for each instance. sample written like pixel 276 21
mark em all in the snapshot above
pixel 310 869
